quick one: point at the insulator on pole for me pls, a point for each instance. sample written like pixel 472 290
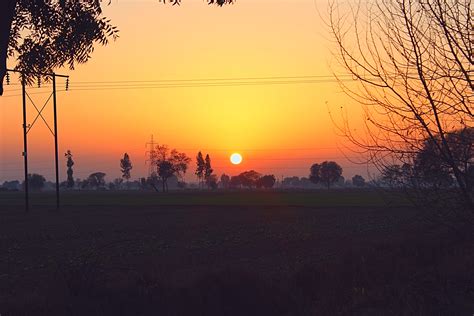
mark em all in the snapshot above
pixel 8 78
pixel 67 83
pixel 39 81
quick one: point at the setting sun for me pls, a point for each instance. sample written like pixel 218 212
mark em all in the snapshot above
pixel 236 158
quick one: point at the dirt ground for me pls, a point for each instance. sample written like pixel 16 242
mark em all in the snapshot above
pixel 83 258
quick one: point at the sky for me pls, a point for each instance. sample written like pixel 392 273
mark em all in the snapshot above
pixel 118 99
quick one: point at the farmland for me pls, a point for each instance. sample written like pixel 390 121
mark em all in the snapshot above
pixel 228 253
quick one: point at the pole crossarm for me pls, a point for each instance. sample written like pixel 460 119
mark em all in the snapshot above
pixel 30 126
pixel 44 74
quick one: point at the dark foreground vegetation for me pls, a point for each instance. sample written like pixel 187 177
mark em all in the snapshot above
pixel 241 253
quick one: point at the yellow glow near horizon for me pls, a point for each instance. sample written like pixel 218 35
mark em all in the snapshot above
pixel 116 100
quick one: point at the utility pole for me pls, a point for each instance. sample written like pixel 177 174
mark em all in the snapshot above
pixel 25 145
pixel 56 141
pixel 28 127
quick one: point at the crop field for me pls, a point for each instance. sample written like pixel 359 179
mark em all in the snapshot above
pixel 228 253
pixel 305 198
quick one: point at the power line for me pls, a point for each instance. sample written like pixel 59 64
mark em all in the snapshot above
pixel 202 82
pixel 215 79
pixel 198 85
pixel 206 80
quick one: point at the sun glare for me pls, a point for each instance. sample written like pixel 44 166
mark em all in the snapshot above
pixel 236 158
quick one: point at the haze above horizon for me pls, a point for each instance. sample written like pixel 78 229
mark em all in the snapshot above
pixel 252 78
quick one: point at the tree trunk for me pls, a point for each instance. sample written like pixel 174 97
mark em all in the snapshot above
pixel 7 11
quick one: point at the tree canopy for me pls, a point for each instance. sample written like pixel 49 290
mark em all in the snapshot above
pixel 327 173
pixel 413 64
pixel 358 180
pixel 266 181
pixel 70 172
pixel 126 166
pixel 170 163
pixel 95 180
pixel 249 178
pixel 36 181
pixel 46 35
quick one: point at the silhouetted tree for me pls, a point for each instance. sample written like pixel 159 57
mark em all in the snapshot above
pixel 429 182
pixel 225 181
pixel 432 170
pixel 341 181
pixel 96 180
pixel 314 175
pixel 291 181
pixel 165 171
pixel 397 176
pixel 36 181
pixel 208 169
pixel 470 176
pixel 211 181
pixel 235 182
pixel 117 183
pixel 143 185
pixel 126 166
pixel 267 181
pixel 413 64
pixel 170 163
pixel 327 172
pixel 428 173
pixel 83 184
pixel 358 181
pixel 69 164
pixel 44 35
pixel 11 185
pixel 180 163
pixel 305 182
pixel 152 181
pixel 330 172
pixel 249 178
pixel 200 167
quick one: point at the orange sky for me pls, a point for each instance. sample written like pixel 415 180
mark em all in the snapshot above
pixel 279 129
